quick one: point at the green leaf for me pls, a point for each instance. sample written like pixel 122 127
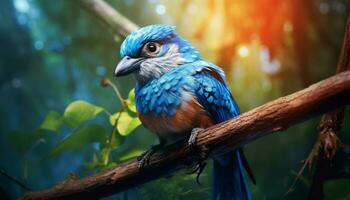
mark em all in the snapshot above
pixel 86 135
pixel 113 118
pixel 22 142
pixel 127 123
pixel 79 112
pixel 52 121
pixel 130 102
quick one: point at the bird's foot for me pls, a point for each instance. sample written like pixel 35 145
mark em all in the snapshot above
pixel 197 169
pixel 193 138
pixel 192 143
pixel 199 166
pixel 145 157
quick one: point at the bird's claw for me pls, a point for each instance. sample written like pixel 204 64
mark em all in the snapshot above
pixel 193 138
pixel 199 165
pixel 198 169
pixel 192 143
pixel 145 157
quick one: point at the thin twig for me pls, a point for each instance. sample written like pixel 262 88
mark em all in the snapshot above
pixel 113 136
pixel 15 180
pixel 307 162
pixel 107 82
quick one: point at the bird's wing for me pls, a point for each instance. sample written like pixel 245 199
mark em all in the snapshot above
pixel 213 94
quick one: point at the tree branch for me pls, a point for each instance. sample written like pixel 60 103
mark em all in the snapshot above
pixel 112 18
pixel 328 142
pixel 274 116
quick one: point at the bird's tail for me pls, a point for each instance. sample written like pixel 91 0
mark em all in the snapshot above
pixel 228 181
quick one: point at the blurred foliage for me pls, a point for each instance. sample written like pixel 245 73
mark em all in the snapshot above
pixel 337 189
pixel 75 117
pixel 56 119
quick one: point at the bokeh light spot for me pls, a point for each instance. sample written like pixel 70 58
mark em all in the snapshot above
pixel 324 8
pixel 267 65
pixel 339 7
pixel 16 83
pixel 160 9
pixel 21 6
pixel 100 70
pixel 288 27
pixel 192 8
pixel 22 19
pixel 243 51
pixel 38 45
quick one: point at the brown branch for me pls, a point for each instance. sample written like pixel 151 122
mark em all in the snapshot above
pixel 118 23
pixel 274 116
pixel 328 142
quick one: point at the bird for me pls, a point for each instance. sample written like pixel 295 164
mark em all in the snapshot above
pixel 178 94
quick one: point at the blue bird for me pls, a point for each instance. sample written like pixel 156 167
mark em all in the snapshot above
pixel 177 93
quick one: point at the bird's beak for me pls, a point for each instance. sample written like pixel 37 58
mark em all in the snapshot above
pixel 127 65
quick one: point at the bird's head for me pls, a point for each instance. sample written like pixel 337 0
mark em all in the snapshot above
pixel 151 51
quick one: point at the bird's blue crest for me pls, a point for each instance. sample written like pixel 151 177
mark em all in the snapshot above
pixel 134 42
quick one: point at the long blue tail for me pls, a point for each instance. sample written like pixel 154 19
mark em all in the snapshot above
pixel 228 181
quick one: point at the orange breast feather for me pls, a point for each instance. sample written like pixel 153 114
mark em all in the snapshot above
pixel 189 115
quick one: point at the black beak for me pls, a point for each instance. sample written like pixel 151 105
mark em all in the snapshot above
pixel 127 65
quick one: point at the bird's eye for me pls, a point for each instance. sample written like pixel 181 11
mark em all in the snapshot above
pixel 151 49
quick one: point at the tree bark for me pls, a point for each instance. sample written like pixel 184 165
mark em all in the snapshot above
pixel 271 117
